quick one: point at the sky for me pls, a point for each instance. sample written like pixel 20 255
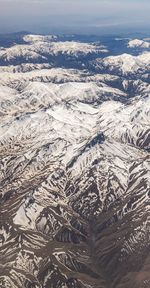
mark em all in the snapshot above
pixel 73 16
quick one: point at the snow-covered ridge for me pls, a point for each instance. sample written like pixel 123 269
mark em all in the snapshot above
pixel 16 76
pixel 39 48
pixel 31 38
pixel 125 63
pixel 32 95
pixel 137 43
pixel 74 167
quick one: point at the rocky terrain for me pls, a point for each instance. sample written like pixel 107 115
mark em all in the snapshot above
pixel 74 164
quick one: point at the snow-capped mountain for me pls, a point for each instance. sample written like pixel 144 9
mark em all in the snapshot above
pixel 137 43
pixel 74 166
pixel 124 64
pixel 37 49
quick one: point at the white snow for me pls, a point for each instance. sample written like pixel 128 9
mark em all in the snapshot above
pixel 138 43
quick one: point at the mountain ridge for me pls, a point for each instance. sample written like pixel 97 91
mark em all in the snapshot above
pixel 74 170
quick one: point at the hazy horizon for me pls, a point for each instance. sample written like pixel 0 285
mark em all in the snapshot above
pixel 70 16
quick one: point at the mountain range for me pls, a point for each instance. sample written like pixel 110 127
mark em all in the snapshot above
pixel 74 162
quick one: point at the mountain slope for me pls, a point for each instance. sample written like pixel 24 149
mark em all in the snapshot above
pixel 74 173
